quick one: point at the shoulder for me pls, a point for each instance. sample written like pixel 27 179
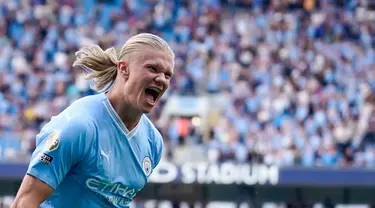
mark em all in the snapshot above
pixel 87 104
pixel 69 126
pixel 81 114
pixel 79 119
pixel 69 129
pixel 79 125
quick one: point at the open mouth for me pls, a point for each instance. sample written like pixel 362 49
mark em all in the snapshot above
pixel 152 94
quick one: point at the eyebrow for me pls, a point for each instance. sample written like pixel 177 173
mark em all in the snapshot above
pixel 159 66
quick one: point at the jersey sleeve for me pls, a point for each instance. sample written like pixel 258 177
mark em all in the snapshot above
pixel 59 149
pixel 158 152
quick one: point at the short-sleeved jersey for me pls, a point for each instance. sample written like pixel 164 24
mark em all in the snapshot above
pixel 90 159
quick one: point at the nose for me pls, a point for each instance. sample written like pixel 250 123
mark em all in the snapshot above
pixel 160 79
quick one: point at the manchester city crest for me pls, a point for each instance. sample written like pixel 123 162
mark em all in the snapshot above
pixel 53 141
pixel 147 167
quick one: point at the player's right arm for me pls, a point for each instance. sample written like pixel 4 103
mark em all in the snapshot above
pixel 61 147
pixel 31 193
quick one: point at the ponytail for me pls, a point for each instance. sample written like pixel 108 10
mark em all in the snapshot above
pixel 101 66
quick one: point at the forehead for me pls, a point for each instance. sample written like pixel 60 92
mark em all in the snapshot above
pixel 149 55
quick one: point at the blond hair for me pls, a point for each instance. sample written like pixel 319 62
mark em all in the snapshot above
pixel 101 66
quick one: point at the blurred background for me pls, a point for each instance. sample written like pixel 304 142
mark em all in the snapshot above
pixel 271 104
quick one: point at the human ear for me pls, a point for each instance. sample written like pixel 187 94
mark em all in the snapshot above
pixel 123 69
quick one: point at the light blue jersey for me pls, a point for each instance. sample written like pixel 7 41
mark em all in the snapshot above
pixel 87 155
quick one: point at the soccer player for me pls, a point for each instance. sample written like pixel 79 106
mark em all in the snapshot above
pixel 100 151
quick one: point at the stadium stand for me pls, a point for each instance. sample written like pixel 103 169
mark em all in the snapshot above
pixel 287 83
pixel 292 80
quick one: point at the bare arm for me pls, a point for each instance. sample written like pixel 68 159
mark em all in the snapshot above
pixel 31 193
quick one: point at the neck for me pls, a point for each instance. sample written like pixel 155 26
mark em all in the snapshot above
pixel 129 116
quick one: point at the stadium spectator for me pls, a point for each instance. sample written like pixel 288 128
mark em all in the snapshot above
pixel 299 76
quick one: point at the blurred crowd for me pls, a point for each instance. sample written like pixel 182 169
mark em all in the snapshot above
pixel 298 75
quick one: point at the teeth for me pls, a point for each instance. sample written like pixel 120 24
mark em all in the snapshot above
pixel 156 89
